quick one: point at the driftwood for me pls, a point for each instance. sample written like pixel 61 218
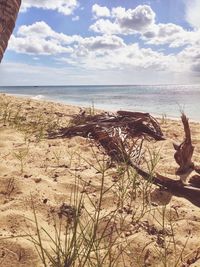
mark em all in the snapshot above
pixel 175 187
pixel 195 180
pixel 184 151
pixel 121 135
pixel 132 124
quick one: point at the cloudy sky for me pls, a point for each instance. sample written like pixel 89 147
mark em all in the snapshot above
pixel 64 42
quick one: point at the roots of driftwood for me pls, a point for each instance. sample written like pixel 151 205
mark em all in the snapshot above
pixel 184 151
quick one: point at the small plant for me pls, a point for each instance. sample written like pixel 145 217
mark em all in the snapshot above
pixel 91 110
pixel 57 156
pixel 125 186
pixel 164 118
pixel 71 154
pixel 64 251
pixel 21 155
pixel 9 188
pixel 84 242
pixel 52 125
pixel 169 253
pixel 40 132
pixel 5 110
pixel 17 118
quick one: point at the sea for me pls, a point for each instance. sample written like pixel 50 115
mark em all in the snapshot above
pixel 159 100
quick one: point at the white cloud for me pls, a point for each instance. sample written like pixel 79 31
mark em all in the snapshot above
pixel 100 11
pixel 97 52
pixel 171 34
pixel 102 42
pixel 141 20
pixel 190 58
pixel 37 46
pixel 138 19
pixel 40 39
pixel 61 6
pixel 192 10
pixel 39 29
pixel 118 12
pixel 97 47
pixel 126 21
pixel 105 26
pixel 124 57
pixel 76 18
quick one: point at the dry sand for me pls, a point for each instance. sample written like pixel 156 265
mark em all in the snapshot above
pixel 46 173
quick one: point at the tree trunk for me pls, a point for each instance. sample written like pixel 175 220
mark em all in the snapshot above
pixel 8 14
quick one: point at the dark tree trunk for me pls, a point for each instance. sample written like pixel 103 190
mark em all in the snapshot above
pixel 9 10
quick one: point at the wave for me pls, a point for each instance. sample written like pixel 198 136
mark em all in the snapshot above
pixel 38 97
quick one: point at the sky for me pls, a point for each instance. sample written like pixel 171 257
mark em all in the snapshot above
pixel 101 42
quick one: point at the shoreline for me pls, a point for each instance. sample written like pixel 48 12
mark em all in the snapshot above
pixel 45 99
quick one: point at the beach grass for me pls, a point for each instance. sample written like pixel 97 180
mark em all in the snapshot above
pixel 74 208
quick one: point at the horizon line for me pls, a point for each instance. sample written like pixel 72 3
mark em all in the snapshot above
pixel 99 85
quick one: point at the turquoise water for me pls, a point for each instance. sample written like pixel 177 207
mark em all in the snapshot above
pixel 158 100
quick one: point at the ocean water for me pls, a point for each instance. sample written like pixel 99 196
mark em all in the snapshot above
pixel 157 100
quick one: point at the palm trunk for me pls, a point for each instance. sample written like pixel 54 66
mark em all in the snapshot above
pixel 8 14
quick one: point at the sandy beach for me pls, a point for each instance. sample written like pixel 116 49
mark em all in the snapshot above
pixel 39 178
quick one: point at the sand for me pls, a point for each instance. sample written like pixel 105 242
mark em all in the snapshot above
pixel 41 172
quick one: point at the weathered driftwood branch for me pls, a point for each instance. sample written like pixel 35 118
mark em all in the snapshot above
pixel 118 135
pixel 195 180
pixel 184 151
pixel 175 187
